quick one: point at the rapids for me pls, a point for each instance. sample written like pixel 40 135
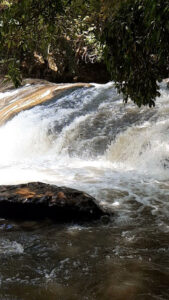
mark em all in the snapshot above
pixel 87 138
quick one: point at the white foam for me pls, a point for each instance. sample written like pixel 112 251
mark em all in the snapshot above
pixel 10 247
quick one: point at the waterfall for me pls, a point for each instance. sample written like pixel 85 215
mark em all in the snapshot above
pixel 85 138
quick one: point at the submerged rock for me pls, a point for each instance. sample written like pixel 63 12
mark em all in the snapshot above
pixel 38 200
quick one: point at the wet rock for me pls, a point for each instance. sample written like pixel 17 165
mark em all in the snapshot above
pixel 39 200
pixel 105 219
pixel 40 92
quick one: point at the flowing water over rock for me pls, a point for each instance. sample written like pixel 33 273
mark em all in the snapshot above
pixel 89 140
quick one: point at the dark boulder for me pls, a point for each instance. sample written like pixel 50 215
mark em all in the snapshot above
pixel 39 200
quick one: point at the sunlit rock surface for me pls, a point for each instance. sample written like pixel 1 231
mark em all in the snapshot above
pixel 12 101
pixel 38 200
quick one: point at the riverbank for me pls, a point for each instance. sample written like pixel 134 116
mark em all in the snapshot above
pixel 84 73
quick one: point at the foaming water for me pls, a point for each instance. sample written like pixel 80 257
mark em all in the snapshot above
pixel 9 248
pixel 91 127
pixel 88 139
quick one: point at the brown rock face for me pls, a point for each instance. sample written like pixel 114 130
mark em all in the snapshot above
pixel 39 200
pixel 40 92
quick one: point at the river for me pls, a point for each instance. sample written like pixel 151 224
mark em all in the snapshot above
pixel 87 138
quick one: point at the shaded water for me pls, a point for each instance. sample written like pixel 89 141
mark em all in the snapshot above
pixel 88 139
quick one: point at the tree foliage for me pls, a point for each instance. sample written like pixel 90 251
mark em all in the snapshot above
pixel 136 52
pixel 61 33
pixel 131 35
pixel 26 26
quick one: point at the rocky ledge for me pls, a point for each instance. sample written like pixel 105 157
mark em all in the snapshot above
pixel 38 200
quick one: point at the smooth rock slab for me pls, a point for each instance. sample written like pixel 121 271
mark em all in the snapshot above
pixel 38 200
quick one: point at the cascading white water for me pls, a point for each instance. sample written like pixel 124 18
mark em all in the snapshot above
pixel 88 139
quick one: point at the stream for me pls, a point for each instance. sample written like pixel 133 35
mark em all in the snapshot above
pixel 87 138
